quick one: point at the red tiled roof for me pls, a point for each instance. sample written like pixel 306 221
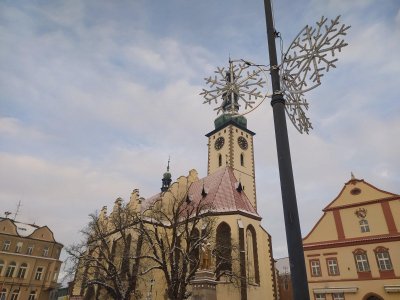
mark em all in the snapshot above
pixel 221 189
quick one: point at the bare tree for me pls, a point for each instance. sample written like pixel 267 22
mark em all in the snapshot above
pixel 106 263
pixel 174 227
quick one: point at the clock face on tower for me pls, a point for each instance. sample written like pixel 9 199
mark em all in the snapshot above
pixel 219 143
pixel 242 143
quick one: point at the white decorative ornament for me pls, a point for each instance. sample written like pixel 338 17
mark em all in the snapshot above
pixel 240 84
pixel 309 56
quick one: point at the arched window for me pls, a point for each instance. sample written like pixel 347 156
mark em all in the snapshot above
pixel 364 225
pixel 361 259
pixel 252 255
pixel 383 259
pixel 22 270
pixel 219 160
pixel 242 159
pixel 11 269
pixel 223 250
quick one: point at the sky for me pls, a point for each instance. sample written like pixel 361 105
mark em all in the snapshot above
pixel 96 95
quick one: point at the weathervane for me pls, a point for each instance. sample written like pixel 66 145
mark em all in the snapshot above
pixel 308 58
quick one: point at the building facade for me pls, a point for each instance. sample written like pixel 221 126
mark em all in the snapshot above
pixel 353 250
pixel 29 261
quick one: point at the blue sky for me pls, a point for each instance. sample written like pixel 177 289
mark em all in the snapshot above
pixel 95 95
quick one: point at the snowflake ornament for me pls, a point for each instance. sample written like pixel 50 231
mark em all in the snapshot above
pixel 238 86
pixel 309 56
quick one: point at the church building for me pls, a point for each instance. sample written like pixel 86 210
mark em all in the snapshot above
pixel 230 187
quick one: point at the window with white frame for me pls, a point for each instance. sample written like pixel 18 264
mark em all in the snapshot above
pixel 22 270
pixel 320 297
pixel 18 247
pixel 29 250
pixel 32 295
pixel 39 273
pixel 6 245
pixel 46 251
pixel 364 225
pixel 383 259
pixel 14 295
pixel 361 261
pixel 11 269
pixel 333 268
pixel 315 267
pixel 338 296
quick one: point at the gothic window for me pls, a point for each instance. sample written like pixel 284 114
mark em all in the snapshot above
pixel 242 159
pixel 194 246
pixel 333 268
pixel 364 225
pixel 383 259
pixel 219 160
pixel 315 267
pixel 22 270
pixel 11 269
pixel 338 296
pixel 361 259
pixel 252 255
pixel 223 249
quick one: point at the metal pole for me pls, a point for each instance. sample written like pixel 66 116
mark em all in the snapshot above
pixel 291 215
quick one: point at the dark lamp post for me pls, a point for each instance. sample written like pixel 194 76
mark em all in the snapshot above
pixel 291 215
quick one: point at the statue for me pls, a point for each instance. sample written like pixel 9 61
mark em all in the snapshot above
pixel 205 256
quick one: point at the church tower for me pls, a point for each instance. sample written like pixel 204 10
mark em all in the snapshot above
pixel 231 144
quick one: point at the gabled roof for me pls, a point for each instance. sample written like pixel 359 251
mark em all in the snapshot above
pixel 357 192
pixel 221 190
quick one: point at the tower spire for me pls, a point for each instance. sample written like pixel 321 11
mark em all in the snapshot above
pixel 166 180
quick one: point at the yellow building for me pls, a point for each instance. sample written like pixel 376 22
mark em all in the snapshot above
pixel 353 250
pixel 230 187
pixel 29 261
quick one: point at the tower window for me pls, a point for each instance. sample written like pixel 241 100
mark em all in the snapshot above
pixel 242 159
pixel 219 160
